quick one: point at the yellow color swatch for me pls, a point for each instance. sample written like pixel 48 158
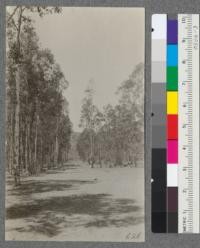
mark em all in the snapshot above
pixel 172 102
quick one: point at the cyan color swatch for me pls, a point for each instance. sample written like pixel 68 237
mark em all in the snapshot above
pixel 172 55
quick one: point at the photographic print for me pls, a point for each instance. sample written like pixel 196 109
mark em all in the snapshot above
pixel 74 124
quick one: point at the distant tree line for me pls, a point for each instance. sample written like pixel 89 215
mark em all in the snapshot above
pixel 38 127
pixel 115 136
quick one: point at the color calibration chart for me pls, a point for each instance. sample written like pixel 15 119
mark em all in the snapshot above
pixel 175 124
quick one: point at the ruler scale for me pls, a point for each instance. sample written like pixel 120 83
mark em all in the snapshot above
pixel 175 124
pixel 189 123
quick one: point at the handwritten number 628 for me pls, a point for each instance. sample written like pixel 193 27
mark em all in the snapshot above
pixel 131 236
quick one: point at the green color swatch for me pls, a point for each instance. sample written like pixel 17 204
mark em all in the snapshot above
pixel 172 78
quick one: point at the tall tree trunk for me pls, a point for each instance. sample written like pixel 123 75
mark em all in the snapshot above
pixel 26 147
pixel 56 152
pixel 30 151
pixel 12 139
pixel 35 143
pixel 9 140
pixel 41 156
pixel 91 159
pixel 16 165
pixel 36 137
pixel 100 159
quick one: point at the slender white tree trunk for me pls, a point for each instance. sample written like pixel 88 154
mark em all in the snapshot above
pixel 16 165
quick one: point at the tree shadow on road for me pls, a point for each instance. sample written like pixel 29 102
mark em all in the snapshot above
pixel 32 186
pixel 50 216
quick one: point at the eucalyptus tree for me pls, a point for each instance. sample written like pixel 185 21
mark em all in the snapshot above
pixel 36 107
pixel 89 119
pixel 131 93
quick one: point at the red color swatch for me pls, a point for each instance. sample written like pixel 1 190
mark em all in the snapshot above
pixel 172 127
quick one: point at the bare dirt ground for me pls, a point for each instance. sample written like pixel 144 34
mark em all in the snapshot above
pixel 77 203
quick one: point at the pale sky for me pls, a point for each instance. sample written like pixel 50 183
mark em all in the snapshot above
pixel 103 44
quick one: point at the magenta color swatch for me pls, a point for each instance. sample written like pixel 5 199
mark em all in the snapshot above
pixel 172 151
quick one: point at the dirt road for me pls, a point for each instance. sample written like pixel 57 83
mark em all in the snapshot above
pixel 77 203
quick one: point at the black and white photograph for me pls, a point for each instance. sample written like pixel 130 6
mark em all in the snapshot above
pixel 74 124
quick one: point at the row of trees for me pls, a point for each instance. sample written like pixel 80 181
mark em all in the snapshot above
pixel 114 136
pixel 37 120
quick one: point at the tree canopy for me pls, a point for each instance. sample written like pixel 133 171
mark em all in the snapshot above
pixel 115 135
pixel 38 124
